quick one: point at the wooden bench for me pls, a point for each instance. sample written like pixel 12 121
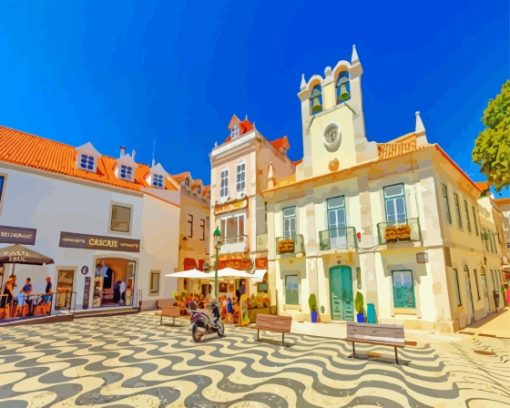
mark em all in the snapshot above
pixel 378 334
pixel 280 324
pixel 170 311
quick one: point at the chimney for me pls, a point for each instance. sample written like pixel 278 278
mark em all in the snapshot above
pixel 133 153
pixel 122 151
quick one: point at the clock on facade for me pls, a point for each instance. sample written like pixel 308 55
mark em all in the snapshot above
pixel 332 137
pixel 84 270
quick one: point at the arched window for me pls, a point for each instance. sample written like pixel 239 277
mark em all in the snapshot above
pixel 316 99
pixel 343 89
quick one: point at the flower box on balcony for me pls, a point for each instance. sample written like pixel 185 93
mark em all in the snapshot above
pixel 390 233
pixel 404 232
pixel 286 246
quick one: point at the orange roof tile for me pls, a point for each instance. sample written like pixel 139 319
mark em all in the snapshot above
pixel 482 185
pixel 244 126
pixel 281 143
pixel 28 150
pixel 181 176
pixel 388 150
pixel 296 162
pixel 502 201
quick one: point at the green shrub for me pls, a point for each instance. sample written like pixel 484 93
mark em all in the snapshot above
pixel 359 303
pixel 312 302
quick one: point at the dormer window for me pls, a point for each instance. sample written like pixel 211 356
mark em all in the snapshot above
pixel 234 133
pixel 199 191
pixel 87 162
pixel 187 183
pixel 126 172
pixel 157 180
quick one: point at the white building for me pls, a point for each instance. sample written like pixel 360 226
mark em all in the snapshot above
pixel 99 218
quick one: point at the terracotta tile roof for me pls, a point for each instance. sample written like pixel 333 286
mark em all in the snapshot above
pixel 244 126
pixel 394 149
pixel 181 176
pixel 28 150
pixel 281 143
pixel 296 162
pixel 482 185
pixel 502 201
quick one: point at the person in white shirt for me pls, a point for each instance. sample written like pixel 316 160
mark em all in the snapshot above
pixel 122 290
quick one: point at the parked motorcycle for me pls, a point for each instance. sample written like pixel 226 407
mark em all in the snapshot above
pixel 201 322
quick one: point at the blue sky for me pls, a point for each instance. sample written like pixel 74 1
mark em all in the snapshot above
pixel 128 73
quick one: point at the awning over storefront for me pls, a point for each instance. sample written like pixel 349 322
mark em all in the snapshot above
pixel 191 274
pixel 18 254
pixel 258 275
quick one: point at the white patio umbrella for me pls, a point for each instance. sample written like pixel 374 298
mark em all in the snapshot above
pixel 191 274
pixel 236 273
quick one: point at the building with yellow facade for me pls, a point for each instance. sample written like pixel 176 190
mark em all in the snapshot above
pixel 399 222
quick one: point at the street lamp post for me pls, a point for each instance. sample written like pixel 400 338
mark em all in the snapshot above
pixel 217 244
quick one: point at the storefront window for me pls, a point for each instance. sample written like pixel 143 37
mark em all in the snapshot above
pixel 154 288
pixel 291 290
pixel 403 289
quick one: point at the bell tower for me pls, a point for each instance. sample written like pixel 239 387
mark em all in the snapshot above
pixel 333 122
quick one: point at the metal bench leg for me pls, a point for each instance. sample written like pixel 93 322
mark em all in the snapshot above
pixel 396 356
pixel 173 324
pixel 353 350
pixel 283 339
pixel 258 335
pixel 161 320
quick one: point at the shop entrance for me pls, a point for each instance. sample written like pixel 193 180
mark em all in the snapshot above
pixel 340 289
pixel 65 282
pixel 114 282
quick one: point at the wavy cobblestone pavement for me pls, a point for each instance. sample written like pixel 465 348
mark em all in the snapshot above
pixel 132 361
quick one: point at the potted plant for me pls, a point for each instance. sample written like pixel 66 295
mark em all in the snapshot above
pixel 312 302
pixel 360 307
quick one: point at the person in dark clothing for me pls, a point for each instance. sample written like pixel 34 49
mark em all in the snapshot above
pixel 8 291
pixel 116 292
pixel 48 290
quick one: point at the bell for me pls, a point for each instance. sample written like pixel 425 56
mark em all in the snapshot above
pixel 344 93
pixel 316 105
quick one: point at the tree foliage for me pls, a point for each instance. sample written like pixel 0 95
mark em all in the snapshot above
pixel 492 146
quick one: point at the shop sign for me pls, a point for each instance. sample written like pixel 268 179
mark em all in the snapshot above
pixel 84 241
pixel 86 293
pixel 15 235
pixel 244 263
pixel 232 206
pixel 261 263
pixel 286 246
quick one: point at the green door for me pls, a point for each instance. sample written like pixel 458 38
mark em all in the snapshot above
pixel 340 289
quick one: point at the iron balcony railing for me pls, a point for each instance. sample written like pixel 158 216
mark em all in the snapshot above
pixel 290 245
pixel 402 231
pixel 338 238
pixel 261 242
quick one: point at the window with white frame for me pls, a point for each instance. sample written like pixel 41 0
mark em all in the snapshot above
pixel 232 228
pixel 289 222
pixel 234 133
pixel 468 221
pixel 126 172
pixel 2 183
pixel 157 180
pixel 87 162
pixel 457 209
pixel 241 177
pixel 395 204
pixel 224 184
pixel 121 218
pixel 457 287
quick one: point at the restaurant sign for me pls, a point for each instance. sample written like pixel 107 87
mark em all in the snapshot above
pixel 14 235
pixel 73 240
pixel 286 246
pixel 242 263
pixel 261 263
pixel 231 206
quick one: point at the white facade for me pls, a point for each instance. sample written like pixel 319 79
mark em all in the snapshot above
pixel 52 203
